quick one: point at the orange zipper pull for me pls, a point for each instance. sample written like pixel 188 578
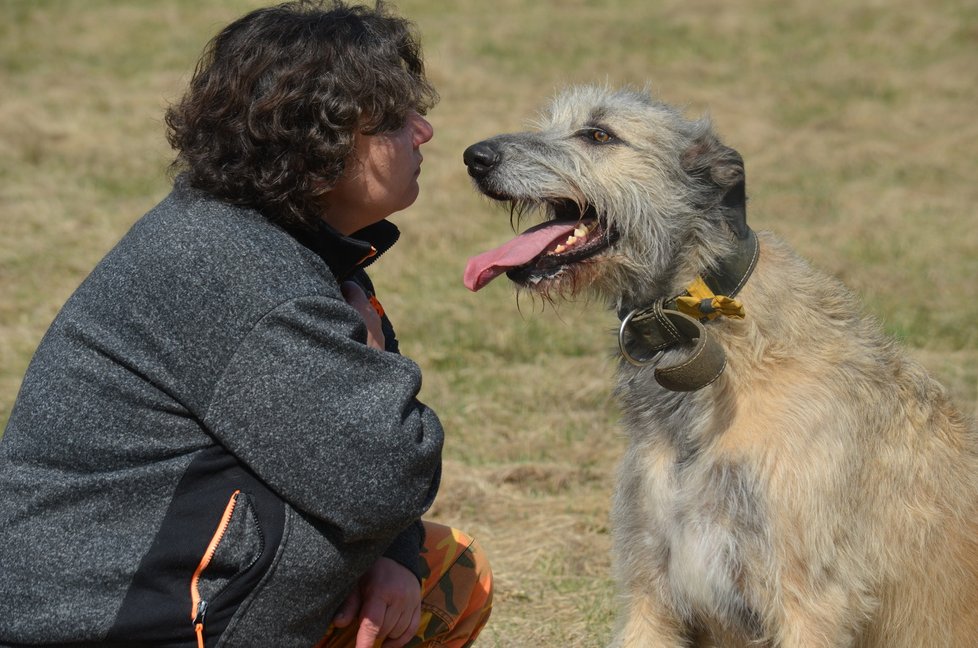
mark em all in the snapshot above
pixel 199 622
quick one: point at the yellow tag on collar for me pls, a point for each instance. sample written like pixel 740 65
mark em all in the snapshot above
pixel 702 303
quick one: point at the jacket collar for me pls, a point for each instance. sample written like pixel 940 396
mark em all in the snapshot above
pixel 344 254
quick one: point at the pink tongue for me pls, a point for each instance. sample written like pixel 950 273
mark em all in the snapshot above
pixel 485 267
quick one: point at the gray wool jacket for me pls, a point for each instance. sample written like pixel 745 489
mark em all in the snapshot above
pixel 203 442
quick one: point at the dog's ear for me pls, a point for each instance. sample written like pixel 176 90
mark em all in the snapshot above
pixel 721 169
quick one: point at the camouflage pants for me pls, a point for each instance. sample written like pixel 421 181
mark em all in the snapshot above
pixel 456 590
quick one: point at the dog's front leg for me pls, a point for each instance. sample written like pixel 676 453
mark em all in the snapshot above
pixel 815 624
pixel 646 622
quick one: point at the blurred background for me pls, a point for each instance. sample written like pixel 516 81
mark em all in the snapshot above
pixel 857 121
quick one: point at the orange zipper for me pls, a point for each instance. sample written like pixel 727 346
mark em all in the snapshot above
pixel 371 253
pixel 198 607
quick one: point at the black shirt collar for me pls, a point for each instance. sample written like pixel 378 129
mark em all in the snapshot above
pixel 344 254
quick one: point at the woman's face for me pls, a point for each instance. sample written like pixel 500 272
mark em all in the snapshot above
pixel 381 177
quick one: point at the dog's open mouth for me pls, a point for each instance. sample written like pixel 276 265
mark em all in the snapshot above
pixel 571 236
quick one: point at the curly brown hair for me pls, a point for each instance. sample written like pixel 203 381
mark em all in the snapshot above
pixel 269 118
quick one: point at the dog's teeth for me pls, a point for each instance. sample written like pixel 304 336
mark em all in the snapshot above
pixel 580 231
pixel 559 249
pixel 571 240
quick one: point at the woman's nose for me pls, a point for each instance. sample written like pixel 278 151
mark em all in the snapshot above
pixel 423 130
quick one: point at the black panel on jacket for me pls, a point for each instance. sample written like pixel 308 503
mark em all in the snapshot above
pixel 157 607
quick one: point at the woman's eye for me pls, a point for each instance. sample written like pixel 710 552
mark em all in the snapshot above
pixel 600 136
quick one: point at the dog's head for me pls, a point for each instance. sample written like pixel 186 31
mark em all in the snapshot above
pixel 636 198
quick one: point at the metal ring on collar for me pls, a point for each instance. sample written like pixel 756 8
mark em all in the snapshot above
pixel 621 342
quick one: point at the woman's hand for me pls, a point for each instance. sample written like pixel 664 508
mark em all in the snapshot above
pixel 354 296
pixel 387 601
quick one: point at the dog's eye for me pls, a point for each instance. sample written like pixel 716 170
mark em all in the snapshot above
pixel 596 135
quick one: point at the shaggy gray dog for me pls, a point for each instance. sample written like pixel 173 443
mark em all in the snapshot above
pixel 792 478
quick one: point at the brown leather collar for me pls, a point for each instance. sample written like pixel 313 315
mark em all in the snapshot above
pixel 647 331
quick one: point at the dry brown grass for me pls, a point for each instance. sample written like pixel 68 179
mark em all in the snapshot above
pixel 856 121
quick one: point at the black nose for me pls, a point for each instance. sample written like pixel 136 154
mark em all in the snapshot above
pixel 480 158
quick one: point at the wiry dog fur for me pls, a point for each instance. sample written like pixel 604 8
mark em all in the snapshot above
pixel 823 491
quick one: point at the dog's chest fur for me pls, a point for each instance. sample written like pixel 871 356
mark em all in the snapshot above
pixel 699 509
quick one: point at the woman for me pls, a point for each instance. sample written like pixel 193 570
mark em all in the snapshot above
pixel 217 441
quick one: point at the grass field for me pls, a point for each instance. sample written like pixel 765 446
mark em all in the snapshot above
pixel 856 120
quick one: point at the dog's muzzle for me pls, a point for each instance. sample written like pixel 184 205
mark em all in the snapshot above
pixel 481 158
